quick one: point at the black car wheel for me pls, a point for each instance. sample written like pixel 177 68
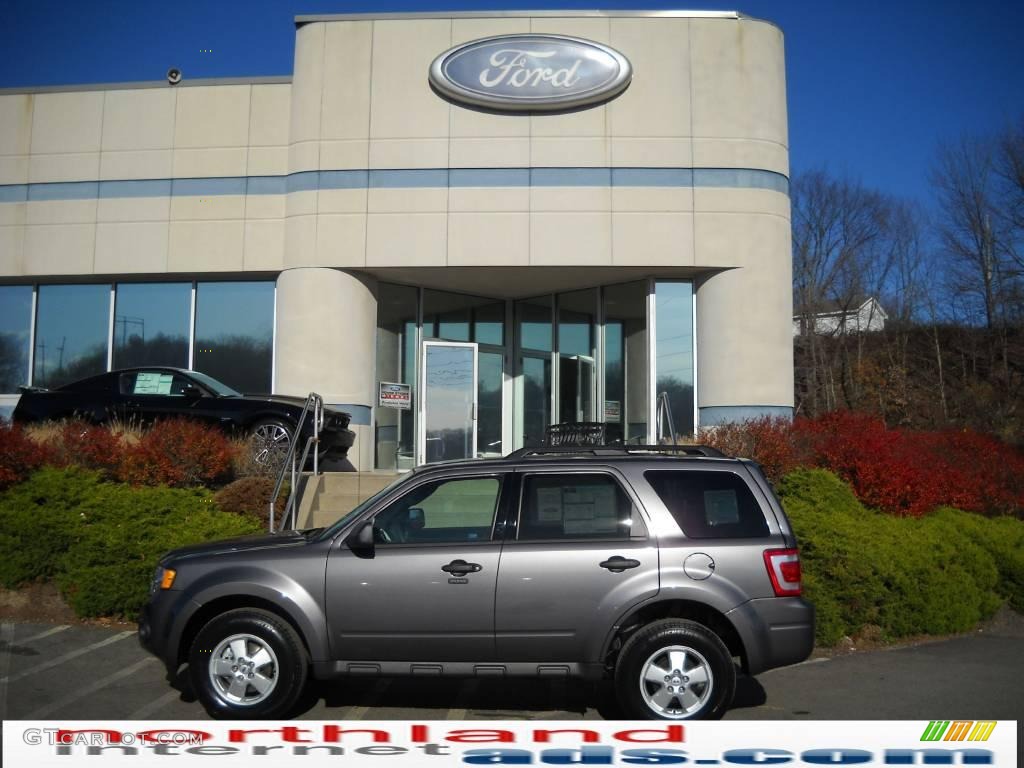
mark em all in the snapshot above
pixel 675 669
pixel 248 663
pixel 270 439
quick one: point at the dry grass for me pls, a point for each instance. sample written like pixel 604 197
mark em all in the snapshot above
pixel 44 432
pixel 129 431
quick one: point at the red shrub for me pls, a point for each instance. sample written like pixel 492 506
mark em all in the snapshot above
pixel 19 456
pixel 178 452
pixel 768 440
pixel 80 444
pixel 884 468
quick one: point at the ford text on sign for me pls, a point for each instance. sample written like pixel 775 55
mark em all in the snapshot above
pixel 530 73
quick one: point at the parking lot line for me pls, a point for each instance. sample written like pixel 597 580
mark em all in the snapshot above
pixel 6 641
pixel 47 633
pixel 65 657
pixel 81 693
pixel 374 698
pixel 465 695
pixel 154 706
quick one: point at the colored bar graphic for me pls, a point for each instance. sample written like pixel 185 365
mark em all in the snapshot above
pixel 958 730
pixel 935 730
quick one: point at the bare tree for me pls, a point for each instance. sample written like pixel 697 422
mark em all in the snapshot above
pixel 839 258
pixel 964 178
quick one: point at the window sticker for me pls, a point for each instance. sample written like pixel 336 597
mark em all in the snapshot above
pixel 152 383
pixel 721 507
pixel 549 505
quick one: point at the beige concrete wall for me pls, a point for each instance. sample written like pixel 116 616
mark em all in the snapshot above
pixel 706 93
pixel 149 136
pixel 324 342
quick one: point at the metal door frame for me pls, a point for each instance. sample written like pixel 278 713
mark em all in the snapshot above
pixel 421 437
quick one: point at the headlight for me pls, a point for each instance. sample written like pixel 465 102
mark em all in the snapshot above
pixel 163 578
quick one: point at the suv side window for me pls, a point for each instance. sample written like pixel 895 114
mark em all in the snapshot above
pixel 709 505
pixel 450 511
pixel 576 506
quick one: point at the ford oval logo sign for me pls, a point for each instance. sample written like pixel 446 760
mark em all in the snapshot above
pixel 530 73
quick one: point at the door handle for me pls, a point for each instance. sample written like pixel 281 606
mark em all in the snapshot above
pixel 461 568
pixel 617 563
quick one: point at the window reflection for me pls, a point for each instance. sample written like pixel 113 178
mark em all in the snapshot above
pixel 674 350
pixel 235 333
pixel 396 363
pixel 625 362
pixel 151 324
pixel 15 336
pixel 72 323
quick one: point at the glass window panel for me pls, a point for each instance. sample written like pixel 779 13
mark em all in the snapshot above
pixel 536 399
pixel 440 512
pixel 576 507
pixel 396 362
pixel 15 336
pixel 576 322
pixel 448 401
pixel 625 362
pixel 576 318
pixel 72 326
pixel 534 318
pixel 674 350
pixel 151 324
pixel 489 324
pixel 710 505
pixel 459 317
pixel 235 333
pixel 488 429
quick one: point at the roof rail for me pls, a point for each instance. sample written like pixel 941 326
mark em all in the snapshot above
pixel 705 451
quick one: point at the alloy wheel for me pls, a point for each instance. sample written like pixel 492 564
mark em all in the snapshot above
pixel 243 670
pixel 676 682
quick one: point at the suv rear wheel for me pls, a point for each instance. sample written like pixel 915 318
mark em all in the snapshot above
pixel 675 669
pixel 248 663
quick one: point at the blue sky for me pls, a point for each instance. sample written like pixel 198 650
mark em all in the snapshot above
pixel 873 85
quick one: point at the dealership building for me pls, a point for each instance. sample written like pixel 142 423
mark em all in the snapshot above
pixel 461 227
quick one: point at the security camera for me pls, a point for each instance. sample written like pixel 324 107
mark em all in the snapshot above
pixel 173 76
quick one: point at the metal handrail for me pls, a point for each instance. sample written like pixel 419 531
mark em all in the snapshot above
pixel 315 403
pixel 665 416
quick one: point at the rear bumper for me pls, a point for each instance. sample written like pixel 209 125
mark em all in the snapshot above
pixel 336 442
pixel 776 631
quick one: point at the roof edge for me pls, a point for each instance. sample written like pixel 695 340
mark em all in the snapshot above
pixel 491 14
pixel 138 85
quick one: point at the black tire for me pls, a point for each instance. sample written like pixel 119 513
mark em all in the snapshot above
pixel 288 671
pixel 704 658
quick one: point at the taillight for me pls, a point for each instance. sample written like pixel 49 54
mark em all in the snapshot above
pixel 784 570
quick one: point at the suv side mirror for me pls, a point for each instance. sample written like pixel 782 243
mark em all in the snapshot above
pixel 360 541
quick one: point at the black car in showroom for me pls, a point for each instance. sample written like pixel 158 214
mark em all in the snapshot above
pixel 144 395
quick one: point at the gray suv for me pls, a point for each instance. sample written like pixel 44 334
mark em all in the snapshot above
pixel 658 568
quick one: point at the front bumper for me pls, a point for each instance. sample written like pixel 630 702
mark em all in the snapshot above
pixel 156 623
pixel 776 631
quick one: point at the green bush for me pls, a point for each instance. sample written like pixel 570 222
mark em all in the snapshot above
pixel 100 541
pixel 864 570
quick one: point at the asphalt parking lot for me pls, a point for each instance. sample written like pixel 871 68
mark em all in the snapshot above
pixel 77 672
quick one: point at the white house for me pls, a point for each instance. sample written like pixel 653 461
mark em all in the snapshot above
pixel 857 316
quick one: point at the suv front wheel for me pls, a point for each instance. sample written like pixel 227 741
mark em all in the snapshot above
pixel 675 669
pixel 248 663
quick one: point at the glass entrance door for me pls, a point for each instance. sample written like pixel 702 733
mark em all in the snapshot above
pixel 449 387
pixel 576 388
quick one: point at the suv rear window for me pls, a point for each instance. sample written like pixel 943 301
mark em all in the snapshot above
pixel 709 505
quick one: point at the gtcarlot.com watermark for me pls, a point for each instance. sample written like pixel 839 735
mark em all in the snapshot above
pixel 960 742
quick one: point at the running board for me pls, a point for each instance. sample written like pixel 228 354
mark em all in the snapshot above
pixel 327 670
